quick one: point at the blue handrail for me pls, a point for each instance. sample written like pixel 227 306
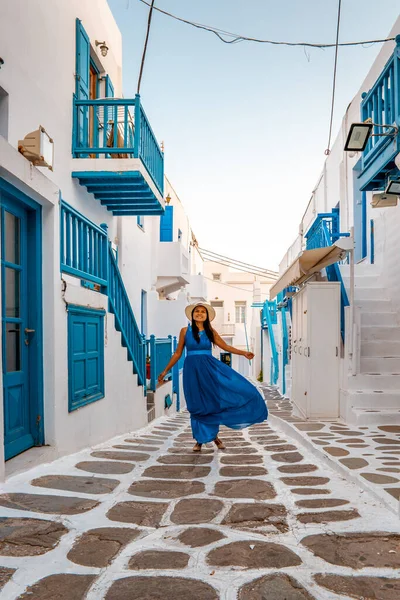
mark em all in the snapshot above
pixel 268 319
pixel 125 321
pixel 160 355
pixel 106 127
pixel 83 246
pixel 285 348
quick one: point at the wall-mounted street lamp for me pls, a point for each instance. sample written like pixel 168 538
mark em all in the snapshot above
pixel 103 47
pixel 168 199
pixel 360 133
pixel 393 187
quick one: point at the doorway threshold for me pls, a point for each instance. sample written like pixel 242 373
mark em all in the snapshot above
pixel 30 458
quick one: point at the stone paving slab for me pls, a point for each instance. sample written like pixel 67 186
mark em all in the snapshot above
pixel 357 449
pixel 220 525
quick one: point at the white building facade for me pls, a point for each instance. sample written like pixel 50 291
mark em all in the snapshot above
pixel 236 297
pixel 92 262
pixel 348 209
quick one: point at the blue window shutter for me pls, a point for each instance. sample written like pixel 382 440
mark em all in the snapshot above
pixel 167 224
pixel 82 78
pixel 82 62
pixel 109 87
pixel 85 356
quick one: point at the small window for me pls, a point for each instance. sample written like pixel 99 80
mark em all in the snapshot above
pixel 85 356
pixel 216 276
pixel 240 312
pixel 140 222
pixel 217 303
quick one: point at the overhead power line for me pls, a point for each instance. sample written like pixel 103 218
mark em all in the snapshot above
pixel 145 45
pixel 328 148
pixel 232 38
pixel 238 265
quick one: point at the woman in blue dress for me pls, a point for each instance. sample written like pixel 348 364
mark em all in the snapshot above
pixel 215 393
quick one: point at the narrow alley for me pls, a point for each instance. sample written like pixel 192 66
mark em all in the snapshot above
pixel 141 517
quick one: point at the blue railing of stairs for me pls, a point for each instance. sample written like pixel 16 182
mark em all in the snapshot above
pixel 325 232
pixel 268 319
pixel 125 322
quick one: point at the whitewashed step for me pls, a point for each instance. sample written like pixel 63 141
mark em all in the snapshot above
pixel 370 293
pixel 375 382
pixel 373 333
pixel 379 319
pixel 381 348
pixel 379 306
pixel 375 364
pixel 361 417
pixel 374 400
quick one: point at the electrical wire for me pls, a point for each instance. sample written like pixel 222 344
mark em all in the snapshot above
pixel 228 262
pixel 145 45
pixel 235 287
pixel 235 37
pixel 328 148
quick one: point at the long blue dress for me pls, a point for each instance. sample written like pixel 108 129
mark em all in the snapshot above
pixel 215 393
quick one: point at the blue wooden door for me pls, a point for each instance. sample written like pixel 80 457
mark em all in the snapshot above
pixel 16 334
pixel 167 225
pixel 82 74
pixel 360 218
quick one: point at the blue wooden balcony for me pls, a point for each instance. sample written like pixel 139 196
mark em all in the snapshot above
pixel 382 105
pixel 116 155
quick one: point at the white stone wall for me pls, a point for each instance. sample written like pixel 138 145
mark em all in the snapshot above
pixel 38 48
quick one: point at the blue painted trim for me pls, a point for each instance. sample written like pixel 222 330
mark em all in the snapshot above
pixel 285 348
pixel 98 316
pixel 175 378
pixel 269 317
pixel 35 306
pixel 372 241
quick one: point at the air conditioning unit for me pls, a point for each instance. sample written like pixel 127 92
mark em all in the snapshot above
pixel 38 148
pixel 382 200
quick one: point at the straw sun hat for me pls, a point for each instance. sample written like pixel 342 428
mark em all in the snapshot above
pixel 189 309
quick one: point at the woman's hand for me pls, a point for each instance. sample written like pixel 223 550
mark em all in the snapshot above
pixel 161 377
pixel 249 355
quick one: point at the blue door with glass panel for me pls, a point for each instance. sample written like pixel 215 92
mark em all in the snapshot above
pixel 16 333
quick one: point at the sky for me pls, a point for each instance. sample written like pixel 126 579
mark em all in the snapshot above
pixel 245 125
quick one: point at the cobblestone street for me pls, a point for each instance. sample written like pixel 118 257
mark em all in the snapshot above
pixel 142 517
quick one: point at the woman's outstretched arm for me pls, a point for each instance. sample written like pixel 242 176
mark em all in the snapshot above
pixel 176 356
pixel 221 344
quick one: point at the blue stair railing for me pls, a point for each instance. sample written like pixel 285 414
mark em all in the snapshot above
pixel 160 355
pixel 125 321
pixel 176 371
pixel 325 232
pixel 84 247
pixel 269 318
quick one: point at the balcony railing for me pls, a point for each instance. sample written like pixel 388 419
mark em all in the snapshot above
pixel 116 128
pixel 227 329
pixel 269 317
pixel 382 105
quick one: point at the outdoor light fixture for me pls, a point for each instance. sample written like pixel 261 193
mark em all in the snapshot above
pixel 38 147
pixel 1 62
pixel 358 137
pixel 103 47
pixel 360 133
pixel 393 187
pixel 168 199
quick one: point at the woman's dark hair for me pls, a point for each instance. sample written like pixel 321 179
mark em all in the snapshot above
pixel 207 327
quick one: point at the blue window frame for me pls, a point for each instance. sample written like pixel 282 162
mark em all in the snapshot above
pixel 167 224
pixel 85 356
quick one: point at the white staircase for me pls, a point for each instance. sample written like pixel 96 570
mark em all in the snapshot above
pixel 373 395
